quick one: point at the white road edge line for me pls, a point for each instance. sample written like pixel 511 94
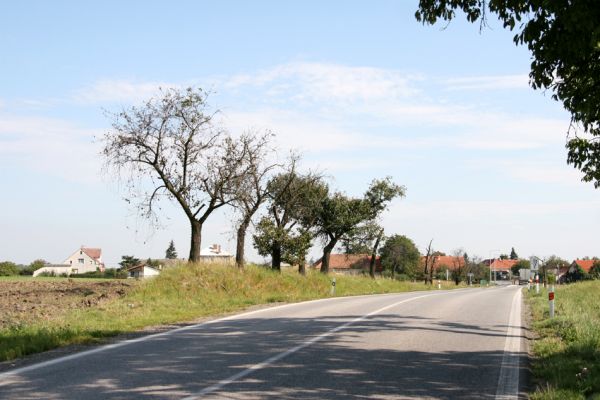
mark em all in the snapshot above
pixel 508 381
pixel 219 385
pixel 100 349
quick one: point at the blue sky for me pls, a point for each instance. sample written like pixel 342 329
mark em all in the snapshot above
pixel 360 88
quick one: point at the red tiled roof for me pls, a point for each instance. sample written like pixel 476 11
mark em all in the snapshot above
pixel 450 262
pixel 585 265
pixel 503 265
pixel 349 261
pixel 92 252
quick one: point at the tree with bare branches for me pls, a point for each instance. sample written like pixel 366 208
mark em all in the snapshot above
pixel 170 147
pixel 252 190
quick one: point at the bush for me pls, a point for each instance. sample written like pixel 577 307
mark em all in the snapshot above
pixel 8 268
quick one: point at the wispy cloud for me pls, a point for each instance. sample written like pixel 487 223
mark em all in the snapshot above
pixel 120 91
pixel 50 146
pixel 501 82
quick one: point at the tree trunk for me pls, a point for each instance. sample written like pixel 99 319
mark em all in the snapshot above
pixel 276 256
pixel 302 267
pixel 326 253
pixel 196 241
pixel 241 241
pixel 372 263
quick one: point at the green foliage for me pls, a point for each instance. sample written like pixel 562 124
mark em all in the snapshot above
pixel 567 352
pixel 287 231
pixel 8 268
pixel 503 257
pixel 341 216
pixel 564 40
pixel 576 274
pixel 595 270
pixel 171 253
pixel 128 261
pixel 513 254
pixel 521 264
pixel 400 255
pixel 35 265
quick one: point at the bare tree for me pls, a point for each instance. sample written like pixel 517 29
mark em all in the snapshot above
pixel 170 147
pixel 458 265
pixel 252 189
pixel 430 260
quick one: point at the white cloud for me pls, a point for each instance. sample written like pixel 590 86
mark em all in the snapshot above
pixel 501 82
pixel 123 91
pixel 320 81
pixel 51 146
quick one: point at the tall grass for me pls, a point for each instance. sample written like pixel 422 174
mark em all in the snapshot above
pixel 566 361
pixel 186 293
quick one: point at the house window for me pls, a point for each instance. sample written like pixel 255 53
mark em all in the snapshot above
pixel 81 261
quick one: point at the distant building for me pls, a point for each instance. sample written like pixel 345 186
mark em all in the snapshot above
pixel 500 267
pixel 216 254
pixel 350 263
pixel 143 271
pixel 85 259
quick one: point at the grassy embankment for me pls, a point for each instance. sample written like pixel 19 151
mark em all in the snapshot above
pixel 184 294
pixel 566 361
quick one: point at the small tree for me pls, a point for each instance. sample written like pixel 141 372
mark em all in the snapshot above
pixel 34 266
pixel 128 261
pixel 513 254
pixel 294 202
pixel 8 268
pixel 400 255
pixel 251 187
pixel 521 264
pixel 340 215
pixel 171 253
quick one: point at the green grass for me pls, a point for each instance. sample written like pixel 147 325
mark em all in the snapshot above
pixel 566 361
pixel 187 293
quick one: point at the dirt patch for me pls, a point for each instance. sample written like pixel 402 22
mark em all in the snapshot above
pixel 24 302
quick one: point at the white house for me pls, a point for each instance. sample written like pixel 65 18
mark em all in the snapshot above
pixel 85 259
pixel 142 271
pixel 215 254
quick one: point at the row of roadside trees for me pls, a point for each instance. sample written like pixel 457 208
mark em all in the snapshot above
pixel 172 148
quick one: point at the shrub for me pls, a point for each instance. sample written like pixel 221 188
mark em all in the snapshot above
pixel 8 268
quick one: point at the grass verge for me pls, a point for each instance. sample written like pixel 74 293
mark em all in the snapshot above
pixel 186 293
pixel 566 362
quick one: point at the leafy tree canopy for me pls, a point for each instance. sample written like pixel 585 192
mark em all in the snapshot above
pixel 513 254
pixel 399 254
pixel 564 39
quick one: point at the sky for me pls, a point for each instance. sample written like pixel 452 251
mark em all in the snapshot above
pixel 360 89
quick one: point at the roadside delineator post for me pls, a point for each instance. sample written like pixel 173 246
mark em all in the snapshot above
pixel 551 301
pixel 333 286
pixel 439 284
pixel 537 284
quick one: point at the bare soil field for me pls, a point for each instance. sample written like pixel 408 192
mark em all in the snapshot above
pixel 28 301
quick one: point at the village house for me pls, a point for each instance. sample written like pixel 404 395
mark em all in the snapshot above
pixel 143 271
pixel 215 254
pixel 502 268
pixel 85 259
pixel 350 263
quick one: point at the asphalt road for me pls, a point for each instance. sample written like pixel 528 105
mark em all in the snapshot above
pixel 462 344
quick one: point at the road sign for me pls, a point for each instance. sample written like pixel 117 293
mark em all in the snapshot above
pixel 550 296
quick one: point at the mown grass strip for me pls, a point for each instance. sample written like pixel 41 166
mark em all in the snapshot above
pixel 566 362
pixel 186 293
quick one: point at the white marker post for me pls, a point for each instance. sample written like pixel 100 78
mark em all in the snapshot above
pixel 333 287
pixel 439 284
pixel 551 301
pixel 537 284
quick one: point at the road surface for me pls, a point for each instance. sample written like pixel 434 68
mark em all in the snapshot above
pixel 461 344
